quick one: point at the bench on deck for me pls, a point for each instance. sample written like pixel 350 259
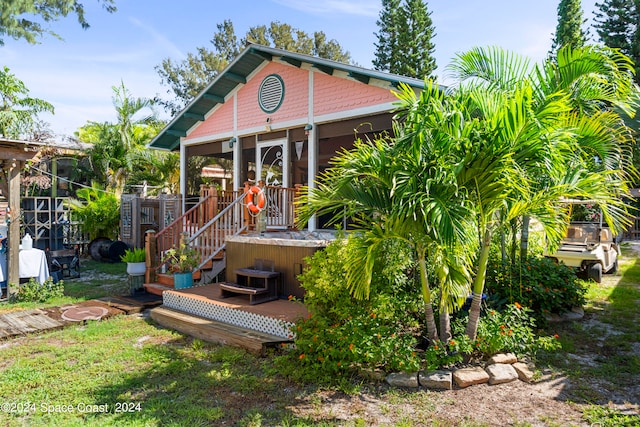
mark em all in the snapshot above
pixel 260 282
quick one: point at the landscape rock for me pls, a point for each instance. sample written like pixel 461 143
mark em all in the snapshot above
pixel 525 373
pixel 503 358
pixel 439 380
pixel 373 374
pixel 469 376
pixel 401 379
pixel 500 373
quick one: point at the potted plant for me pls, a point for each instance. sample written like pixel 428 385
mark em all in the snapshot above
pixel 181 261
pixel 135 259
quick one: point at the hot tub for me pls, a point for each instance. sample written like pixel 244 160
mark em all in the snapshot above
pixel 286 249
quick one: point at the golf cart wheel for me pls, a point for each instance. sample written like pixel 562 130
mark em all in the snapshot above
pixel 595 272
pixel 614 269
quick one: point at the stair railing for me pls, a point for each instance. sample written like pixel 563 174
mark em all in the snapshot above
pixel 210 239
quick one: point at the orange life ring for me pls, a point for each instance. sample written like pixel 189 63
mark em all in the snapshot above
pixel 255 207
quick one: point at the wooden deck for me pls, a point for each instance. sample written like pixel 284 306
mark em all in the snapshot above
pixel 202 313
pixel 280 309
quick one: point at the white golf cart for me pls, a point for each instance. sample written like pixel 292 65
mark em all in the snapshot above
pixel 589 246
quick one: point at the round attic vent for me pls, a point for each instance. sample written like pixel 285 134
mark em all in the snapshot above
pixel 271 93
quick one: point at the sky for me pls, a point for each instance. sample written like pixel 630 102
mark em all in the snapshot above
pixel 76 74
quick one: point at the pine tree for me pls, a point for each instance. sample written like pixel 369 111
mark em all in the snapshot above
pixel 388 24
pixel 405 39
pixel 617 22
pixel 570 26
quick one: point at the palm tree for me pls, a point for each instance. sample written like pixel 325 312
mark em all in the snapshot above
pixel 116 147
pixel 402 188
pixel 546 128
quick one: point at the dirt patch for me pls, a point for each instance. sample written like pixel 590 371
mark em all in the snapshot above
pixel 56 313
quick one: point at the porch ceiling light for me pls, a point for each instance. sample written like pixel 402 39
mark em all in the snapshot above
pixel 307 129
pixel 232 141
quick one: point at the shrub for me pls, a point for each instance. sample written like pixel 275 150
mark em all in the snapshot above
pixel 538 283
pixel 33 291
pixel 99 214
pixel 344 333
pixel 512 330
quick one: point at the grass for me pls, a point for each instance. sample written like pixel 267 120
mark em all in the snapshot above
pixel 609 338
pixel 97 279
pixel 126 371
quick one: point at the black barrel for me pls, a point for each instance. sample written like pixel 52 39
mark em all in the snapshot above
pixel 103 249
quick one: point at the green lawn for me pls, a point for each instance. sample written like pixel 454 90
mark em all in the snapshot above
pixel 601 354
pixel 125 371
pixel 97 279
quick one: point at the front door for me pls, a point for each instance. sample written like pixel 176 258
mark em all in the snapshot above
pixel 272 160
pixel 272 167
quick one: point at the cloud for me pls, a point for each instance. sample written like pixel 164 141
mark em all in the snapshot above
pixel 370 8
pixel 163 42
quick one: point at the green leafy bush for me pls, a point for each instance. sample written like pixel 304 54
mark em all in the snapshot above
pixel 511 330
pixel 343 333
pixel 33 291
pixel 99 214
pixel 538 283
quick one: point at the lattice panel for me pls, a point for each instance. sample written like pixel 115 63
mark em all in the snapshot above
pixel 229 315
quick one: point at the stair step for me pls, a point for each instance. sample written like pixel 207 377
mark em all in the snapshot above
pixel 165 279
pixel 157 288
pixel 214 331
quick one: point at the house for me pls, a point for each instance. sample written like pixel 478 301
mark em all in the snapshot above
pixel 281 116
pixel 277 118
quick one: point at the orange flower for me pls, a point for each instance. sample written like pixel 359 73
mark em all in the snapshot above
pixel 502 326
pixel 435 347
pixel 518 306
pixel 351 346
pixel 373 315
pixel 290 297
pixel 339 364
pixel 452 342
pixel 301 356
pixel 556 336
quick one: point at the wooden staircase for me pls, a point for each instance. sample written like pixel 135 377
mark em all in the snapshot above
pixel 205 228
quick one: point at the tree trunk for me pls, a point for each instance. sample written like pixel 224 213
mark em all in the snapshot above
pixel 514 240
pixel 478 287
pixel 503 244
pixel 524 239
pixel 432 329
pixel 445 325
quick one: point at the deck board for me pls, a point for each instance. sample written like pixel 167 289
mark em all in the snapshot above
pixel 24 322
pixel 281 309
pixel 214 331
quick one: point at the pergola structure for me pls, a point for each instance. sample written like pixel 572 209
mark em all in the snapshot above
pixel 13 155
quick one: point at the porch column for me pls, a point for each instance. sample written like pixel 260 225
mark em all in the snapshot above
pixel 237 149
pixel 13 265
pixel 183 175
pixel 312 158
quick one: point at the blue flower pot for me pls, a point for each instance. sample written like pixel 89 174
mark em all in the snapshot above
pixel 182 280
